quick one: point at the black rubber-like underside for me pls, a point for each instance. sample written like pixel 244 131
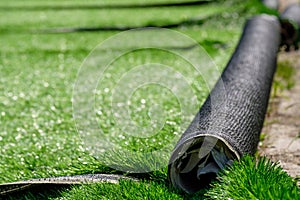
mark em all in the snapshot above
pixel 238 113
pixel 236 107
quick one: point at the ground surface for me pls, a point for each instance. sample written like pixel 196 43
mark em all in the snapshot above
pixel 282 129
pixel 38 136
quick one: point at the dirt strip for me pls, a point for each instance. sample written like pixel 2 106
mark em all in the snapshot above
pixel 283 4
pixel 282 125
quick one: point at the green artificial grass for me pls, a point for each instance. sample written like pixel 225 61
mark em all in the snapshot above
pixel 124 190
pixel 38 135
pixel 251 179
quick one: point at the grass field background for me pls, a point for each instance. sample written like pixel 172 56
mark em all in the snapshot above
pixel 38 137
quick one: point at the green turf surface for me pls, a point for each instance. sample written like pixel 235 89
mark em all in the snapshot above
pixel 265 180
pixel 38 136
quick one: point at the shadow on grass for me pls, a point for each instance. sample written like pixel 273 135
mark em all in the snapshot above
pixel 188 22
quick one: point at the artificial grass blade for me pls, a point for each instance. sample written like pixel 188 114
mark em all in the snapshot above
pixel 254 179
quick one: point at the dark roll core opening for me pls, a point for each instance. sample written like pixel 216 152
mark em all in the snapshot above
pixel 289 32
pixel 193 182
pixel 199 164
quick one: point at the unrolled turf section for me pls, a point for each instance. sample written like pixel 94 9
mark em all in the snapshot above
pixel 38 137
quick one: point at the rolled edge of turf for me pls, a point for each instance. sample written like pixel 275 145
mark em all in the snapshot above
pixel 228 124
pixel 42 183
pixel 273 4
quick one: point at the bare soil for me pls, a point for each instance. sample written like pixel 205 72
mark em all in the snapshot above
pixel 283 4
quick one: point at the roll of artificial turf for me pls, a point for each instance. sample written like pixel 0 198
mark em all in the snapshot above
pixel 273 4
pixel 290 22
pixel 292 12
pixel 229 123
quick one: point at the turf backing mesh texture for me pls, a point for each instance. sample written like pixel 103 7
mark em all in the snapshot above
pixel 236 112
